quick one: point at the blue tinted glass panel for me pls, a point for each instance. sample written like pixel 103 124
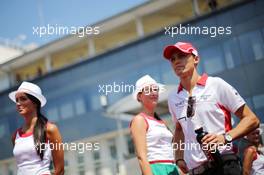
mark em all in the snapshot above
pixel 66 110
pixel 249 103
pixel 168 75
pixel 231 52
pixel 213 59
pixel 258 101
pixel 151 69
pixel 2 130
pixel 244 13
pixel 52 114
pixel 80 106
pixel 252 46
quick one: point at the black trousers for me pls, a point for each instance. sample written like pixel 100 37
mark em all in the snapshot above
pixel 228 167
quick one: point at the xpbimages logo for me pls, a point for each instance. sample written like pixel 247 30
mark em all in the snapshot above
pixel 211 31
pixel 107 89
pixel 64 30
pixel 80 147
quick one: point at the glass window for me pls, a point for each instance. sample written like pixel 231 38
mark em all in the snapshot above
pixel 263 32
pixel 252 46
pixel 80 158
pixel 260 113
pixel 112 148
pixel 243 13
pixel 212 59
pixel 200 67
pixel 95 101
pixel 96 155
pixel 231 51
pixel 53 114
pixel 153 71
pixel 114 91
pixel 10 172
pixel 66 110
pixel 2 130
pixel 228 56
pixel 258 101
pixel 81 172
pixel 162 40
pixel 126 81
pixel 168 75
pixel 249 103
pixel 80 161
pixel 224 19
pixel 10 169
pixel 80 106
pixel 121 58
pixel 130 145
pixel 66 161
pixel 97 169
pixel 146 49
pixel 258 49
pixel 4 81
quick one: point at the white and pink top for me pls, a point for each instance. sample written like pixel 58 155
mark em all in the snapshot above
pixel 27 159
pixel 258 163
pixel 159 141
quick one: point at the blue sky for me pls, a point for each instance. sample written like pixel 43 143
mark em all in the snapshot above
pixel 18 17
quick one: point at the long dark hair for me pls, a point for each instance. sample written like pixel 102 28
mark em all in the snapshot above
pixel 39 131
pixel 156 116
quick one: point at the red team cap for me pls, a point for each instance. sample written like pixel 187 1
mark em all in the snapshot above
pixel 179 46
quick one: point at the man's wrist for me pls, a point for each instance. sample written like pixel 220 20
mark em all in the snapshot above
pixel 178 160
pixel 227 138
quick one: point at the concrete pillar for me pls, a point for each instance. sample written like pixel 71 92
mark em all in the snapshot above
pixel 139 27
pixel 105 158
pixel 121 148
pixel 72 162
pixel 48 63
pixel 196 9
pixel 91 47
pixel 89 163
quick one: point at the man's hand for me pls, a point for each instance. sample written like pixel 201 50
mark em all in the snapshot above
pixel 213 140
pixel 182 166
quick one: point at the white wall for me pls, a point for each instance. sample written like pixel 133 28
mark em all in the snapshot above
pixel 4 81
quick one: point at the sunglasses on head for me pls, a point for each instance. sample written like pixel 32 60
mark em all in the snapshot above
pixel 190 107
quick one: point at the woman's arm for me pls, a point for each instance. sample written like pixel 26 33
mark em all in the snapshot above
pixel 179 153
pixel 248 159
pixel 54 137
pixel 138 132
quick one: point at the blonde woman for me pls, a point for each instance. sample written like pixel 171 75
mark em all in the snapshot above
pixel 151 137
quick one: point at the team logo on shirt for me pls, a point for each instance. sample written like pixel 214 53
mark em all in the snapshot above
pixel 181 103
pixel 204 97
